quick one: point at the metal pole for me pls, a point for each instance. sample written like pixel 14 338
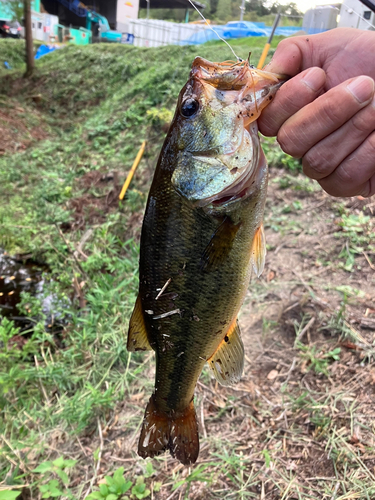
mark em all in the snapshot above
pixel 146 40
pixel 242 9
pixel 268 44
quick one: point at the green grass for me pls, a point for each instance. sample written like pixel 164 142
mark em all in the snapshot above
pixel 99 103
pixel 62 391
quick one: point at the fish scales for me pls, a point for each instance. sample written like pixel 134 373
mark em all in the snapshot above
pixel 201 237
pixel 194 332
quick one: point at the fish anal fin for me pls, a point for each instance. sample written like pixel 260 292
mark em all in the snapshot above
pixel 228 360
pixel 258 251
pixel 137 334
pixel 176 431
pixel 220 244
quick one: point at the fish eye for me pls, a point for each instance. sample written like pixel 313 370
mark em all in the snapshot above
pixel 189 107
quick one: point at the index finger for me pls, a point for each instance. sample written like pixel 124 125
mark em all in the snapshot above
pixel 293 95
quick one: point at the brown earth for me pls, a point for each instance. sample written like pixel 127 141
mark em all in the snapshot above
pixel 302 415
pixel 17 133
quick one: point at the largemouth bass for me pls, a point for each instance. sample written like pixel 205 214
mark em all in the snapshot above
pixel 202 235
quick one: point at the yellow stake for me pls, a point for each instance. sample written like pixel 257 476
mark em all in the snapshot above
pixel 132 170
pixel 263 56
pixel 268 44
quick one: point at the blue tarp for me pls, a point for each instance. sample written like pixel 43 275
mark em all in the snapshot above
pixel 284 31
pixel 228 32
pixel 45 49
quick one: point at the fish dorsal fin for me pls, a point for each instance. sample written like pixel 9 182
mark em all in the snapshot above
pixel 137 334
pixel 228 360
pixel 220 244
pixel 258 251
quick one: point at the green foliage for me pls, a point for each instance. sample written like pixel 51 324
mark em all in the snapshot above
pixel 199 473
pixel 113 488
pixel 140 490
pixel 277 158
pixel 15 7
pixel 13 52
pixel 48 485
pixel 9 494
pixel 318 360
pixel 97 104
pixel 159 116
pixel 221 11
pixel 358 232
pixel 267 458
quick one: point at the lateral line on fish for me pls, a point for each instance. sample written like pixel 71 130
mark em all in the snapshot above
pixel 163 289
pixel 216 33
pixel 169 313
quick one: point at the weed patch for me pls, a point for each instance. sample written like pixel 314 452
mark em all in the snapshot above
pixel 72 398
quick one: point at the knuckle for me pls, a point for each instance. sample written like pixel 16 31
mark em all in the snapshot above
pixel 268 126
pixel 345 176
pixel 317 165
pixel 371 147
pixel 363 122
pixel 288 142
pixel 284 43
pixel 332 112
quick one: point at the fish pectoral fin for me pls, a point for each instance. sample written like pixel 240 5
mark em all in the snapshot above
pixel 220 244
pixel 258 251
pixel 177 432
pixel 137 334
pixel 228 360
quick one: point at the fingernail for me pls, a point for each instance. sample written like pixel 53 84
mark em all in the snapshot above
pixel 314 79
pixel 362 88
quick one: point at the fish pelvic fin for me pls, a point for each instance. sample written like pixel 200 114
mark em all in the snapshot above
pixel 227 362
pixel 137 334
pixel 258 251
pixel 220 245
pixel 176 431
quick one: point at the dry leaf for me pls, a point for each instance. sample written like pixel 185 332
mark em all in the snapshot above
pixel 137 396
pixel 272 374
pixel 270 276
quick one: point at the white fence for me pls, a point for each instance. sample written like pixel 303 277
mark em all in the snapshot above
pixel 153 32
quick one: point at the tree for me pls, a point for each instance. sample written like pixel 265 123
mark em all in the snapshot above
pixel 15 8
pixel 224 10
pixel 29 40
pixel 213 6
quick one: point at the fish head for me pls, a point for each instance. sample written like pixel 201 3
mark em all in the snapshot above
pixel 216 130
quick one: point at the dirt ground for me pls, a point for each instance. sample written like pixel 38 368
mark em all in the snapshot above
pixel 17 132
pixel 300 422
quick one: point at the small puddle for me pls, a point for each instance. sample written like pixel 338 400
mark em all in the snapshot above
pixel 18 275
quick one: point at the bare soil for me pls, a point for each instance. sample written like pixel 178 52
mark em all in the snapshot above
pixel 16 131
pixel 302 415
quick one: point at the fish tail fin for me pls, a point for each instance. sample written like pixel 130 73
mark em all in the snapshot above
pixel 184 437
pixel 177 432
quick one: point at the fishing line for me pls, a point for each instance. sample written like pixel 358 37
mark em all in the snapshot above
pixel 216 33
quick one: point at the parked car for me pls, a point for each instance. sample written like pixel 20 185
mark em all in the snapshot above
pixel 239 29
pixel 10 29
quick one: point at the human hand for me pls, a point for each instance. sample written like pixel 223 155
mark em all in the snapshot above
pixel 326 113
